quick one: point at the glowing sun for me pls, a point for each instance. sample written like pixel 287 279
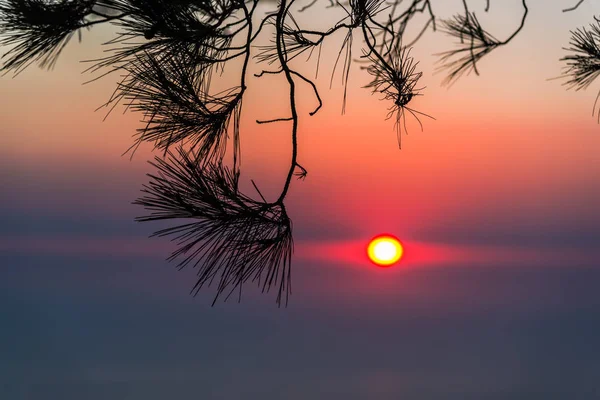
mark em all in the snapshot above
pixel 385 250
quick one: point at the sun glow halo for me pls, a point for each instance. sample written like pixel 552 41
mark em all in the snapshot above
pixel 385 250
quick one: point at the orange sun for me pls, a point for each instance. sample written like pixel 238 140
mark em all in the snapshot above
pixel 385 250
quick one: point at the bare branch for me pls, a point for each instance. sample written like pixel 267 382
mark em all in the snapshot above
pixel 274 120
pixel 575 7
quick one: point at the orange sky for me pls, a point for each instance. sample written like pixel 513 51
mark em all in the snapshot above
pixel 508 149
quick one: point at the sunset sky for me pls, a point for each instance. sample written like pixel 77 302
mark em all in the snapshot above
pixel 496 203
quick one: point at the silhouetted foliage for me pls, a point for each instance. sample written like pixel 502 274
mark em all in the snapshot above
pixel 229 236
pixel 38 30
pixel 168 52
pixel 396 79
pixel 478 44
pixel 175 106
pixel 583 62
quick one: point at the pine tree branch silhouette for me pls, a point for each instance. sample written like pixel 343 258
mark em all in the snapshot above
pixel 170 51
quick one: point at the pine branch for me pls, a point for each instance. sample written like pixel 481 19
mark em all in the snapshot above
pixel 38 30
pixel 396 79
pixel 230 238
pixel 583 62
pixel 174 98
pixel 475 44
pixel 190 30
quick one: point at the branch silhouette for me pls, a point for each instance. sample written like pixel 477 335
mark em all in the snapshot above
pixel 583 61
pixel 170 51
pixel 230 238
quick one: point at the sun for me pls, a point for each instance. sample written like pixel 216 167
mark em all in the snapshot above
pixel 385 250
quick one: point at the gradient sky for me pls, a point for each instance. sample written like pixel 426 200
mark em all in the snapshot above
pixel 496 203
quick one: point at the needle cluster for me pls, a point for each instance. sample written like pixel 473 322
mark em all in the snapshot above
pixel 583 62
pixel 228 236
pixel 363 10
pixel 396 79
pixel 475 42
pixel 189 30
pixel 177 107
pixel 294 41
pixel 38 30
